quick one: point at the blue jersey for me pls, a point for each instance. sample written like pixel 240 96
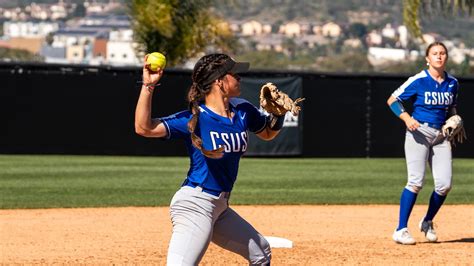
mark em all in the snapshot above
pixel 431 99
pixel 215 131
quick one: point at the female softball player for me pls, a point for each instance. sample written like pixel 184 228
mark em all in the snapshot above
pixel 434 94
pixel 215 130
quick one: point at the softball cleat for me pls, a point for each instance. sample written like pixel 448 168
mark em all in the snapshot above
pixel 403 237
pixel 427 228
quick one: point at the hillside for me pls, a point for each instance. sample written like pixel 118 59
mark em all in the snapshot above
pixel 373 13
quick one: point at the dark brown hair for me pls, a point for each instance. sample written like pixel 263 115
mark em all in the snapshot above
pixel 203 76
pixel 435 44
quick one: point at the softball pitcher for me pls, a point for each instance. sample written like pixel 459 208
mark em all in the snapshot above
pixel 434 93
pixel 216 132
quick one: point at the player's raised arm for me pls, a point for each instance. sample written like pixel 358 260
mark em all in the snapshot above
pixel 144 124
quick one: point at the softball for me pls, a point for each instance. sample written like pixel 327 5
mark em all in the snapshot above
pixel 156 60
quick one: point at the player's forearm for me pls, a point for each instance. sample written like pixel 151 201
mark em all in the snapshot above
pixel 143 121
pixel 452 111
pixel 268 134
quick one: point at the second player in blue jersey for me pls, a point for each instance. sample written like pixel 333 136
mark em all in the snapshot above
pixel 433 93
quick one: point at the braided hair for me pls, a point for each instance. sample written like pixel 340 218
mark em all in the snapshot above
pixel 206 71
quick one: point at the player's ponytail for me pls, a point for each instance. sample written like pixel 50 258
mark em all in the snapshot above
pixel 199 89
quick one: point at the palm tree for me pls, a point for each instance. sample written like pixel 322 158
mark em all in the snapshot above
pixel 411 8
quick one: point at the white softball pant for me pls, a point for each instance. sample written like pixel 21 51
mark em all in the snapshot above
pixel 199 218
pixel 427 144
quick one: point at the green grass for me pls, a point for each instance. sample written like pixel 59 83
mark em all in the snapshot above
pixel 102 181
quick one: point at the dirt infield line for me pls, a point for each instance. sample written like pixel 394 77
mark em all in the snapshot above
pixel 320 234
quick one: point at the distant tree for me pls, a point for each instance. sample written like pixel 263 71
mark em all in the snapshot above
pixel 179 28
pixel 347 62
pixel 357 30
pixel 79 11
pixel 266 59
pixel 411 8
pixel 49 39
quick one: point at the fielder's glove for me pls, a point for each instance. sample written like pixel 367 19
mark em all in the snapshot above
pixel 453 129
pixel 276 102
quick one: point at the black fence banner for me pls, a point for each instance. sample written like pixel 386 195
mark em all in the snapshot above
pixel 290 140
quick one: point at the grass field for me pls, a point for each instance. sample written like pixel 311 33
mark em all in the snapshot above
pixel 103 181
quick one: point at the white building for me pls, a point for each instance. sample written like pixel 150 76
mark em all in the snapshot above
pixel 69 37
pixel 389 32
pixel 373 38
pixel 403 35
pixel 29 29
pixel 291 29
pixel 379 55
pixel 121 48
pixel 331 29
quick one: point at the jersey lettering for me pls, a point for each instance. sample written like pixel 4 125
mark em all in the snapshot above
pixel 244 140
pixel 225 138
pixel 233 142
pixel 438 98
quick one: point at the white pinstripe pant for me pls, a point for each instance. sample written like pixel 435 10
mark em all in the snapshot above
pixel 199 218
pixel 427 144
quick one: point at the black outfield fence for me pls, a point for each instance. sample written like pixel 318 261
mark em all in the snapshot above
pixel 61 109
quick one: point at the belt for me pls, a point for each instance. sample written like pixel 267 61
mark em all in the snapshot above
pixel 433 125
pixel 214 192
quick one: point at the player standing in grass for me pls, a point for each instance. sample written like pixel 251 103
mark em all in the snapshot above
pixel 434 95
pixel 215 130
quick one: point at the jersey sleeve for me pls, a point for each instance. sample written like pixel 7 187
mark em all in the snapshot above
pixel 256 120
pixel 177 125
pixel 406 90
pixel 456 93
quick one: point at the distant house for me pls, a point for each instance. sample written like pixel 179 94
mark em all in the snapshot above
pixel 75 53
pixel 29 29
pixel 100 48
pixel 121 48
pixel 373 38
pixel 74 36
pixel 252 27
pixel 13 13
pixel 389 32
pixel 48 11
pixel 100 7
pixel 54 54
pixel 354 43
pixel 311 40
pixel 379 55
pixel 403 36
pixel 331 29
pixel 291 29
pixel 270 42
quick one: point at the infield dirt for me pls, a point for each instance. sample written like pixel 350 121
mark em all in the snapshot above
pixel 320 234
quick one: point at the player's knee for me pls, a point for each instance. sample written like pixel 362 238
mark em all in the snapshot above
pixel 260 252
pixel 443 189
pixel 414 188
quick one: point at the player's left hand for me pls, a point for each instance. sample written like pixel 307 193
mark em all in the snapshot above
pixel 277 102
pixel 453 129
